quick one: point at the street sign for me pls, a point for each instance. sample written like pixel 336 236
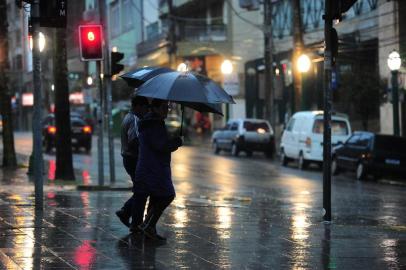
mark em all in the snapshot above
pixel 53 13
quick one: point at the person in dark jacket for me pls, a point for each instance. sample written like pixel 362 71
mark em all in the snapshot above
pixel 129 149
pixel 153 174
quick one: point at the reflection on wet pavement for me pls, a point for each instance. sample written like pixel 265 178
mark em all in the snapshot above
pixel 220 219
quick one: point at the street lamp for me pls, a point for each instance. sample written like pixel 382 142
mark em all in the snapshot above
pixel 41 42
pixel 303 63
pixel 182 67
pixel 394 63
pixel 226 67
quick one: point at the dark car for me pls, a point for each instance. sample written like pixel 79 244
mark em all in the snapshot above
pixel 245 135
pixel 371 154
pixel 81 133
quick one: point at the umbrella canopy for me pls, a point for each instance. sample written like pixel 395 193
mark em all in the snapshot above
pixel 184 88
pixel 139 76
pixel 204 107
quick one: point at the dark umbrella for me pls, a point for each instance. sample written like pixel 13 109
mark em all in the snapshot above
pixel 184 88
pixel 139 76
pixel 188 89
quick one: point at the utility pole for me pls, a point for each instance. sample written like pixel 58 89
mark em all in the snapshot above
pixel 38 161
pixel 328 66
pixel 108 95
pixel 100 146
pixel 268 58
pixel 297 51
pixel 332 10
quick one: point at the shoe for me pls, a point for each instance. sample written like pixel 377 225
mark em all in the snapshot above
pixel 125 219
pixel 135 229
pixel 152 234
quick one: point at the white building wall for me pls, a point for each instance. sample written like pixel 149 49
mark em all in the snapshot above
pixel 247 41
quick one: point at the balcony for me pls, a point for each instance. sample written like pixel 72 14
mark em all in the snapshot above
pixel 203 33
pixel 148 46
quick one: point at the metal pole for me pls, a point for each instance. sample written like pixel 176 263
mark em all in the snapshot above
pixel 268 58
pixel 38 161
pixel 108 96
pixel 395 97
pixel 110 132
pixel 100 128
pixel 328 63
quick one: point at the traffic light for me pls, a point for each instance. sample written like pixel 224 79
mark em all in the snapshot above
pixel 341 6
pixel 115 66
pixel 91 42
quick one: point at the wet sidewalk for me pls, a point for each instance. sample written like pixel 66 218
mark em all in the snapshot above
pixel 206 229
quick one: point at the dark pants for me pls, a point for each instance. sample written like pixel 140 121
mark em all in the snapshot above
pixel 130 164
pixel 157 205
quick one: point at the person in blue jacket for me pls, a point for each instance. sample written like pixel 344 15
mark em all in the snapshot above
pixel 129 149
pixel 153 172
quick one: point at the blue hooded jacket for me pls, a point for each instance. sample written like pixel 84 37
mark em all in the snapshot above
pixel 153 173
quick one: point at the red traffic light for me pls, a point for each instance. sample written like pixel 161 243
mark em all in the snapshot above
pixel 91 40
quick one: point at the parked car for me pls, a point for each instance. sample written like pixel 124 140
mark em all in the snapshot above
pixel 246 135
pixel 302 139
pixel 81 133
pixel 372 154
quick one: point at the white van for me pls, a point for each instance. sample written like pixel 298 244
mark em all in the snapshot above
pixel 302 139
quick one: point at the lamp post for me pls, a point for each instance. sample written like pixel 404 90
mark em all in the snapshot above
pixel 227 68
pixel 303 63
pixel 394 63
pixel 303 66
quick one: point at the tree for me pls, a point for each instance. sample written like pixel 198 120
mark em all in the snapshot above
pixel 360 92
pixel 64 166
pixel 9 155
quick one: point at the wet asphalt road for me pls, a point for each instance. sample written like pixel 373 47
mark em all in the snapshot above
pixel 229 213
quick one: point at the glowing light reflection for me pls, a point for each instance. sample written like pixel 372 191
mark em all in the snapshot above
pixel 180 213
pixel 51 170
pixel 85 255
pixel 26 248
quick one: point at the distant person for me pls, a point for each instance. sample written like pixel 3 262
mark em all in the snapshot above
pixel 129 149
pixel 153 174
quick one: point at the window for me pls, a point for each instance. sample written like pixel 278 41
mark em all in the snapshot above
pixel 115 19
pixel 338 127
pixel 290 124
pixel 128 14
pixel 234 126
pixel 254 126
pixel 18 37
pixel 353 140
pixel 364 140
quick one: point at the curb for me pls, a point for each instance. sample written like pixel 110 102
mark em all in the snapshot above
pixel 102 188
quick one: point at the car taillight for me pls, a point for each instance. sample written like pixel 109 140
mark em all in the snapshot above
pixel 51 129
pixel 308 142
pixel 87 129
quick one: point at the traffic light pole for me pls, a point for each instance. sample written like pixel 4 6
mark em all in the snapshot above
pixel 38 161
pixel 100 153
pixel 328 64
pixel 108 95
